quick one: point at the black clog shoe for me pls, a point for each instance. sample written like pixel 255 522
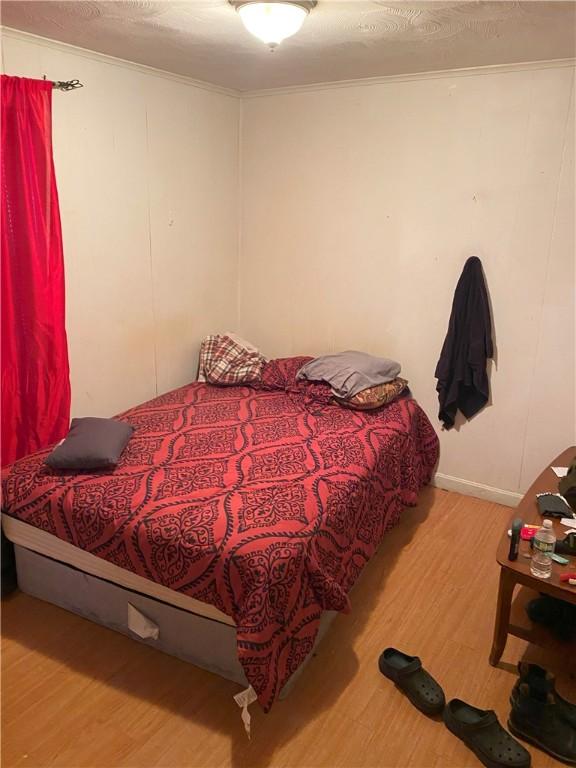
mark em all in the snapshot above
pixel 480 730
pixel 413 680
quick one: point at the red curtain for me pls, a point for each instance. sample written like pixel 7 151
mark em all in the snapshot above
pixel 34 354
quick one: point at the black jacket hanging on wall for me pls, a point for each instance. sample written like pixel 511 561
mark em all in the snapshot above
pixel 461 371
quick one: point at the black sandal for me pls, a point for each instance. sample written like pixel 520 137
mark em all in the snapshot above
pixel 480 730
pixel 409 675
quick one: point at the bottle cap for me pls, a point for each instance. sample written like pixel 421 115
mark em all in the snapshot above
pixel 547 524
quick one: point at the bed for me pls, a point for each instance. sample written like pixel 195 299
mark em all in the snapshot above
pixel 254 508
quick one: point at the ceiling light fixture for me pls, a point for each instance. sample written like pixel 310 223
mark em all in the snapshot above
pixel 273 21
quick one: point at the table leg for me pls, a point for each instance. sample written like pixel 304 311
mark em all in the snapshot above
pixel 505 592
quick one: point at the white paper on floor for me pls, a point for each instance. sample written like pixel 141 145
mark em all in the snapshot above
pixel 141 625
pixel 244 699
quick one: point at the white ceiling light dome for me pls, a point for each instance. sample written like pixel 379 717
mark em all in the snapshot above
pixel 273 21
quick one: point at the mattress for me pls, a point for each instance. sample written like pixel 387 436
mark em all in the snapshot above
pixel 262 502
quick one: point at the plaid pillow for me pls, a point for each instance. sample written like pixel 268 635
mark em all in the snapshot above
pixel 225 361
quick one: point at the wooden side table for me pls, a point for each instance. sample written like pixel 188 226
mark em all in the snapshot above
pixel 510 616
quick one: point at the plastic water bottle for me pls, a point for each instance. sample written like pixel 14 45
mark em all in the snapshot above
pixel 544 543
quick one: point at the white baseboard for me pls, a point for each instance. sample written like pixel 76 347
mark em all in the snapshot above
pixel 479 490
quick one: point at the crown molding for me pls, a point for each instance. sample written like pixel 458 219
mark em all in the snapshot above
pixel 490 69
pixel 16 34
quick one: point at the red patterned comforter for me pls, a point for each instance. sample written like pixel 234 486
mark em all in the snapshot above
pixel 265 503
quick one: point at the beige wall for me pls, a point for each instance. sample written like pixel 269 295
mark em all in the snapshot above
pixel 360 205
pixel 147 170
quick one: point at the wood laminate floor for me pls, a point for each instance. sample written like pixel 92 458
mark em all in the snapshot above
pixel 75 694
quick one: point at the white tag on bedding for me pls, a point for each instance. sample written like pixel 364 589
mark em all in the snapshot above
pixel 244 699
pixel 560 471
pixel 141 625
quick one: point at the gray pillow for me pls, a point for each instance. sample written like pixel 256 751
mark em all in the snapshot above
pixel 91 444
pixel 351 372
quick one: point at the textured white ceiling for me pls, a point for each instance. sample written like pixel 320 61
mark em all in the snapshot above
pixel 341 39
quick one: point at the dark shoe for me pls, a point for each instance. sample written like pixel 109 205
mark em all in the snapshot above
pixel 558 615
pixel 536 719
pixel 542 683
pixel 480 730
pixel 409 675
pixel 544 610
pixel 567 545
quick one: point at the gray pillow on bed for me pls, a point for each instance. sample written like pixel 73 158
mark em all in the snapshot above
pixel 91 444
